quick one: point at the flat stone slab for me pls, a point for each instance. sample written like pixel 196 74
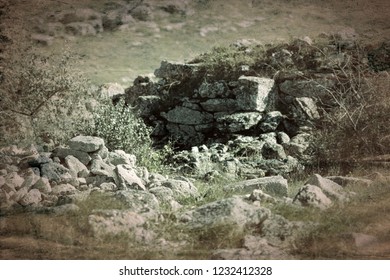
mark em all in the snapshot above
pixel 86 144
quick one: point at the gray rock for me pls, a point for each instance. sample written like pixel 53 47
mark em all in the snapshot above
pixel 282 138
pixel 310 195
pixel 259 195
pixel 61 210
pixel 271 121
pixel 100 168
pixel 86 144
pixel 114 222
pixel 63 189
pixel 16 197
pixel 43 185
pixel 180 188
pixel 254 93
pixel 55 172
pixel 30 178
pixel 148 105
pixel 176 71
pixel 275 185
pixel 33 197
pixel 330 188
pixel 2 181
pixel 273 151
pixel 76 168
pixel 220 105
pixel 238 122
pixel 304 111
pixel 141 202
pixel 186 116
pixel 227 212
pixel 108 187
pixel 62 153
pixel 13 180
pixel 126 178
pixel 118 157
pixel 213 90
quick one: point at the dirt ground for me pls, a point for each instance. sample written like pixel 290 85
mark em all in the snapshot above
pixel 123 55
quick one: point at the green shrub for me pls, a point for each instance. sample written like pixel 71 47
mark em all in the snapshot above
pixel 121 129
pixel 44 93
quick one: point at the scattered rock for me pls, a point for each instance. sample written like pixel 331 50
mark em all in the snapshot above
pixel 228 212
pixel 275 185
pixel 86 144
pixel 310 195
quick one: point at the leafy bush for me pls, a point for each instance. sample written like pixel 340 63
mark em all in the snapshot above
pixel 45 93
pixel 121 129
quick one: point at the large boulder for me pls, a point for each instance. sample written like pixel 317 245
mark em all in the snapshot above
pixel 254 93
pixel 232 211
pixel 126 178
pixel 329 187
pixel 275 185
pixel 86 144
pixel 310 195
pixel 141 202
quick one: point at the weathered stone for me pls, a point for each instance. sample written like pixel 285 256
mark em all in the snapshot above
pixel 19 194
pixel 282 138
pixel 304 110
pixel 108 187
pixel 259 195
pixel 213 90
pixel 175 71
pixel 276 228
pixel 273 151
pixel 62 153
pixel 126 178
pixel 227 212
pixel 86 144
pixel 186 116
pixel 38 160
pixel 254 93
pixel 220 105
pixel 275 185
pixel 163 194
pixel 2 181
pixel 329 187
pixel 271 121
pixel 43 185
pixel 100 168
pixel 180 188
pixel 118 157
pixel 55 172
pixel 148 105
pixel 141 202
pixel 310 195
pixel 33 197
pixel 30 178
pixel 63 189
pixel 76 168
pixel 60 210
pixel 238 121
pixel 14 180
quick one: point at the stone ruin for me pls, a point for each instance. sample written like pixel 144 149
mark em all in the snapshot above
pixel 238 122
